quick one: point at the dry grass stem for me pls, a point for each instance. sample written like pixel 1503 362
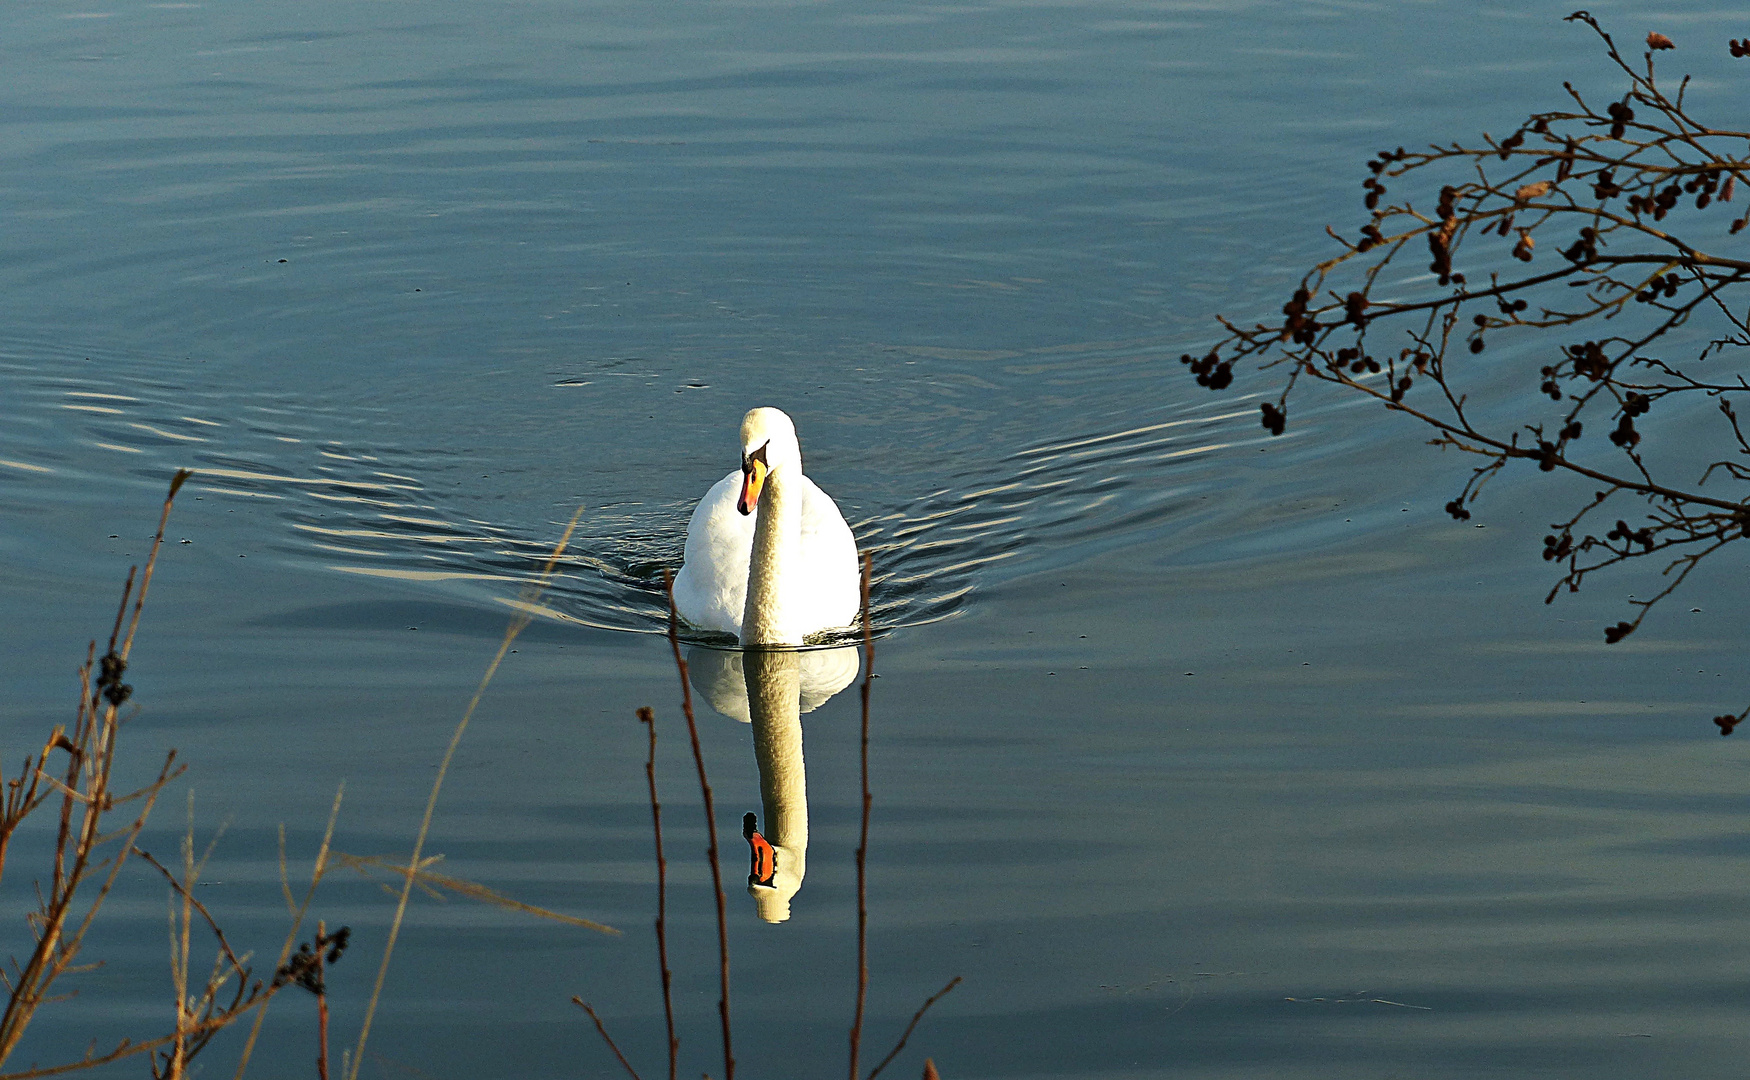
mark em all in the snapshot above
pixel 364 864
pixel 516 627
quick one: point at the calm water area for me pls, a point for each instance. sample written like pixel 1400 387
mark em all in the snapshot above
pixel 1196 753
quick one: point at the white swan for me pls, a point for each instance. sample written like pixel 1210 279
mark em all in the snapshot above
pixel 769 557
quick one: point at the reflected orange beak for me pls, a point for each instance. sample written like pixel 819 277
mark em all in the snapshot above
pixel 765 861
pixel 753 477
pixel 765 858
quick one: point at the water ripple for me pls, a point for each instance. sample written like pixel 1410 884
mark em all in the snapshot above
pixel 379 510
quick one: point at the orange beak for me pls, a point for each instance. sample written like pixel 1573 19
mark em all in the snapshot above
pixel 753 477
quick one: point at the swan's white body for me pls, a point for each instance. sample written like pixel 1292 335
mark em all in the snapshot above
pixel 784 570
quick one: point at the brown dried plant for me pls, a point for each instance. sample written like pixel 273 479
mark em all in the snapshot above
pixel 414 870
pixel 87 857
pixel 1612 288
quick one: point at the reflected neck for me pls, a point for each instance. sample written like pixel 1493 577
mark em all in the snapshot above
pixel 774 687
pixel 777 538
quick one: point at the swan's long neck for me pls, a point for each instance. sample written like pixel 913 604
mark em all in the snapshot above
pixel 777 542
pixel 774 690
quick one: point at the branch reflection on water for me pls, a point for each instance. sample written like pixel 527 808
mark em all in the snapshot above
pixel 771 689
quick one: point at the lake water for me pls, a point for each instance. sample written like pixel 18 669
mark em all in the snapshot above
pixel 1195 753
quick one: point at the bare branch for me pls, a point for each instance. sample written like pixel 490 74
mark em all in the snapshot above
pixel 1623 197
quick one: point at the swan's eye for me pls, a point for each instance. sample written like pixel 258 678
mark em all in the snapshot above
pixel 759 455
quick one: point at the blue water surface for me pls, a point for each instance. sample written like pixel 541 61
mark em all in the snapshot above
pixel 1194 752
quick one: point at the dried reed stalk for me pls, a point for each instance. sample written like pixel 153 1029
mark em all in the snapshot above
pixel 516 627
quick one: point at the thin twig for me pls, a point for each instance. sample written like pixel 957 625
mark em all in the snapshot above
pixel 176 483
pixel 609 1039
pixel 127 1048
pixel 863 835
pixel 915 1017
pixel 648 718
pixel 316 872
pixel 321 1001
pixel 674 641
pixel 189 898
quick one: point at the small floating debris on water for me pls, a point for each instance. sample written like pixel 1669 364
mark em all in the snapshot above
pixel 1358 999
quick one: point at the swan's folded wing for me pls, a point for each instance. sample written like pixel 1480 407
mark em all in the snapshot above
pixel 829 552
pixel 711 588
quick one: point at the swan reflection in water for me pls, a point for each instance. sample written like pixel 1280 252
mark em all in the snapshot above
pixel 771 689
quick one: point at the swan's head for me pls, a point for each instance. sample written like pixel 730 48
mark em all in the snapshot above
pixel 768 441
